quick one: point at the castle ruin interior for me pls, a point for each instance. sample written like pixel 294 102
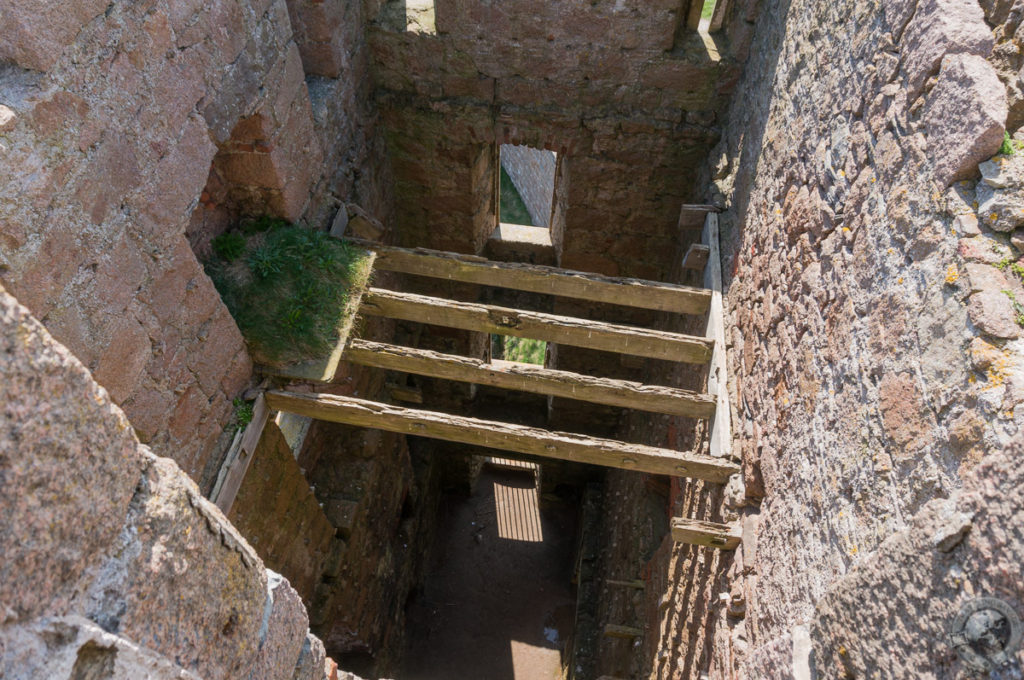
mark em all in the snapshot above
pixel 677 339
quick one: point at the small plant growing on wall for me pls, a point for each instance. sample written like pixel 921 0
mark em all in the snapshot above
pixel 290 289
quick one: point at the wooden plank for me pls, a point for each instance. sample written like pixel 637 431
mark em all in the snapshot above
pixel 710 534
pixel 626 632
pixel 699 207
pixel 720 439
pixel 561 329
pixel 505 436
pixel 513 375
pixel 665 297
pixel 239 458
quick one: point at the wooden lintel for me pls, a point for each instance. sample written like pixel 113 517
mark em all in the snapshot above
pixel 512 375
pixel 505 436
pixel 629 292
pixel 710 534
pixel 524 324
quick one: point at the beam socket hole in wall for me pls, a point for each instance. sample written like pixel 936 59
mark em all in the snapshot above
pixel 522 350
pixel 527 187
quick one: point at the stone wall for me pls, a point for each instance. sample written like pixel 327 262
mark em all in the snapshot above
pixel 872 341
pixel 278 513
pixel 532 172
pixel 626 100
pixel 114 565
pixel 127 126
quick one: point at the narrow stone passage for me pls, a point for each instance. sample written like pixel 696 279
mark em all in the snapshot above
pixel 498 602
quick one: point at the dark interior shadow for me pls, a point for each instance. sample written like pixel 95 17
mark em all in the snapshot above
pixel 497 601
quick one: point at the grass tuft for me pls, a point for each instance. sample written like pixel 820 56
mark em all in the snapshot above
pixel 1007 148
pixel 288 288
pixel 243 412
pixel 229 247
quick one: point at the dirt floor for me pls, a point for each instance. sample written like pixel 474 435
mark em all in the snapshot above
pixel 498 601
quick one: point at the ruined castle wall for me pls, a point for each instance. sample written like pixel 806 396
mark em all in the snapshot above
pixel 614 88
pixel 114 564
pixel 873 350
pixel 127 126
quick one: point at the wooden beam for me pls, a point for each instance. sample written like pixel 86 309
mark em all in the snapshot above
pixel 513 375
pixel 506 436
pixel 240 455
pixel 665 297
pixel 720 438
pixel 627 632
pixel 412 395
pixel 561 329
pixel 710 534
pixel 638 584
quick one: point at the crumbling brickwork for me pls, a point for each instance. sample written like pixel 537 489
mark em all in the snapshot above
pixel 630 104
pixel 113 116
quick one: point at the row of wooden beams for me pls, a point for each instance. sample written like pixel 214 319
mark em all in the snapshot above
pixel 506 436
pixel 512 375
pixel 552 328
pixel 710 534
pixel 628 292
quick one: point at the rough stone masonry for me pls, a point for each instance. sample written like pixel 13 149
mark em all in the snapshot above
pixel 873 233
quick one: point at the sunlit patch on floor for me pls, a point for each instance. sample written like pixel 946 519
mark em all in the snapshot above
pixel 526 656
pixel 516 503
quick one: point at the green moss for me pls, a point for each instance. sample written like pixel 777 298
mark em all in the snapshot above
pixel 289 288
pixel 708 10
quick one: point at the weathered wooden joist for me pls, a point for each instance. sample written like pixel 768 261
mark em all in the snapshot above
pixel 524 324
pixel 505 436
pixel 513 375
pixel 626 632
pixel 710 534
pixel 629 292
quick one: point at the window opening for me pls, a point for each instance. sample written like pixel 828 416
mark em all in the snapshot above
pixel 523 350
pixel 414 16
pixel 527 185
